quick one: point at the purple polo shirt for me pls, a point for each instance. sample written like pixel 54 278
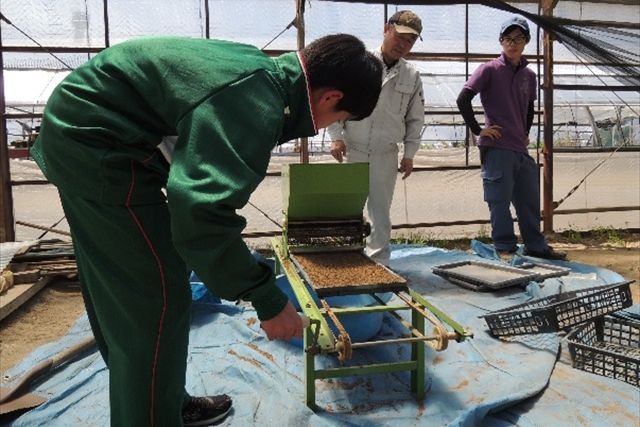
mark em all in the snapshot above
pixel 505 92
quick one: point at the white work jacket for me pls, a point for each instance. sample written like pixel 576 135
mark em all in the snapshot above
pixel 397 118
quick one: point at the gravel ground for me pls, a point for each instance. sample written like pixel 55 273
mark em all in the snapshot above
pixel 425 197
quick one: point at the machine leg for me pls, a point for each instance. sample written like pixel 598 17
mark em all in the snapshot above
pixel 277 268
pixel 309 371
pixel 417 355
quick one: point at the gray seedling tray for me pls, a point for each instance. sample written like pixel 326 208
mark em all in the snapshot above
pixel 481 276
pixel 545 271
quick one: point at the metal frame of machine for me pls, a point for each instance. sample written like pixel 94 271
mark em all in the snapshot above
pixel 321 202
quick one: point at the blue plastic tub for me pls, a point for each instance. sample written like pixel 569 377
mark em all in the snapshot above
pixel 360 327
pixel 199 291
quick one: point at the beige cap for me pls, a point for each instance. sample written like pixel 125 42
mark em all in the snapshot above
pixel 406 22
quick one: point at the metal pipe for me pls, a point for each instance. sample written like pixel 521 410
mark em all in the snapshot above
pixel 547 198
pixel 417 56
pixel 12 116
pixel 467 133
pixel 399 341
pixel 606 88
pixel 105 17
pixel 51 49
pixel 40 227
pixel 206 19
pixel 304 142
pixel 7 230
pixel 406 324
pixel 427 315
pixel 591 210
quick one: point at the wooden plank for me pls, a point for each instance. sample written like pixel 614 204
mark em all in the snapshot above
pixel 28 277
pixel 19 294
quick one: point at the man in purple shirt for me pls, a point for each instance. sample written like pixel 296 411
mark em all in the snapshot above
pixel 509 174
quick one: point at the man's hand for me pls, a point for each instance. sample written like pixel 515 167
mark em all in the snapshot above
pixel 286 325
pixel 492 132
pixel 338 150
pixel 406 167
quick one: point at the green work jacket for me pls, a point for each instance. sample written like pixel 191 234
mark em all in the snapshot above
pixel 228 103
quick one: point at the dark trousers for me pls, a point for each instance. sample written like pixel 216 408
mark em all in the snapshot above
pixel 137 295
pixel 510 177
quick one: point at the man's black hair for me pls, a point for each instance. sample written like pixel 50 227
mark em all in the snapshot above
pixel 342 62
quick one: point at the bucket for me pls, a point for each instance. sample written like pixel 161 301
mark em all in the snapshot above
pixel 200 292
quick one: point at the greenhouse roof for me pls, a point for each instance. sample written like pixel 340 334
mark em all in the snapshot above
pixel 80 24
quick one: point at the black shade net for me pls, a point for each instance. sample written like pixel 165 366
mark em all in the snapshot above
pixel 611 46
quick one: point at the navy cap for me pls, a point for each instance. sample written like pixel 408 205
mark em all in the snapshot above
pixel 516 21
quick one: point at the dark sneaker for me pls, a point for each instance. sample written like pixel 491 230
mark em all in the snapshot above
pixel 505 253
pixel 205 411
pixel 550 253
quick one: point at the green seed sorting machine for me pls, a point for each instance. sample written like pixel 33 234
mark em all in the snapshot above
pixel 322 251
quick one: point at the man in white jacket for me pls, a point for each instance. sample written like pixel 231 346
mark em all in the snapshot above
pixel 397 118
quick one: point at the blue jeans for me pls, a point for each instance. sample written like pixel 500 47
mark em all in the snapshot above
pixel 512 177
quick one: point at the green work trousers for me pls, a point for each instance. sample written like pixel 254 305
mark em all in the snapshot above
pixel 137 295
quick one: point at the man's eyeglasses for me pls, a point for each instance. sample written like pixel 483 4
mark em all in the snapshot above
pixel 513 40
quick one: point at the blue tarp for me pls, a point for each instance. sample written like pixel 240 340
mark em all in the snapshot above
pixel 526 380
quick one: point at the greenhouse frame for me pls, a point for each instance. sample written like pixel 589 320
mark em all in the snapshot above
pixel 581 107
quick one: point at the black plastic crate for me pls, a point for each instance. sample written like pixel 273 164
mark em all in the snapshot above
pixel 557 312
pixel 608 346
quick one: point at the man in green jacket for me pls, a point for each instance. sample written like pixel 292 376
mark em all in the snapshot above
pixel 138 221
